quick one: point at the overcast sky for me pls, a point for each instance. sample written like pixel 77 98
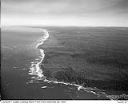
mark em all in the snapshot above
pixel 65 12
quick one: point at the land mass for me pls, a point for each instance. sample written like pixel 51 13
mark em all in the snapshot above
pixel 91 56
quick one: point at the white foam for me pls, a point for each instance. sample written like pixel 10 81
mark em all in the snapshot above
pixel 35 67
pixel 44 87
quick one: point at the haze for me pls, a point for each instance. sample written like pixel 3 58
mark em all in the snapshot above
pixel 65 12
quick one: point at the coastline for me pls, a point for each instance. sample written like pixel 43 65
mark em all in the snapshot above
pixel 88 86
pixel 36 69
pixel 36 83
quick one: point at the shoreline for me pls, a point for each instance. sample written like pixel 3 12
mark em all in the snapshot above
pixel 35 67
pixel 41 76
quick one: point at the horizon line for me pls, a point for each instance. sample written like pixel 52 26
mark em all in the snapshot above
pixel 59 26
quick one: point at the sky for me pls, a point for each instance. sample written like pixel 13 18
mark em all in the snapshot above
pixel 64 12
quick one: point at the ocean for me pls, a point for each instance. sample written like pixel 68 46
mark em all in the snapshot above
pixel 44 63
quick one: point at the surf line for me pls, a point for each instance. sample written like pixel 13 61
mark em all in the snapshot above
pixel 35 66
pixel 36 70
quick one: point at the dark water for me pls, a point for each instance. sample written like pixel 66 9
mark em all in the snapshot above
pixel 18 53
